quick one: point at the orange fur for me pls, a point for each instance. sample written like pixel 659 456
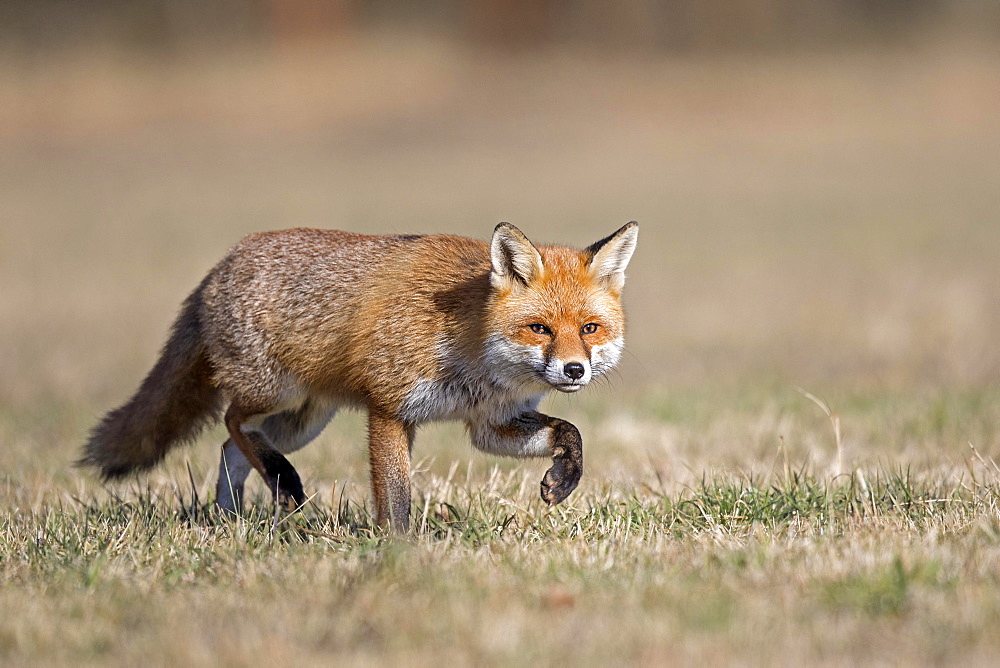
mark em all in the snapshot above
pixel 290 325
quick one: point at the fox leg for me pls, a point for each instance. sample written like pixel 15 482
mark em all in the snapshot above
pixel 533 434
pixel 279 474
pixel 288 430
pixel 389 443
pixel 233 471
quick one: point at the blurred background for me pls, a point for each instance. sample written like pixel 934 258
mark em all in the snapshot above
pixel 818 181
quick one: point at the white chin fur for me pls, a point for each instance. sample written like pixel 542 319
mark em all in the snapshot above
pixel 570 389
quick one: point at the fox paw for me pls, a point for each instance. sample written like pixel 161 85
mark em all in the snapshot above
pixel 288 493
pixel 560 480
pixel 290 502
pixel 567 464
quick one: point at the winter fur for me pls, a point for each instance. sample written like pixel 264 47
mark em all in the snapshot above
pixel 291 325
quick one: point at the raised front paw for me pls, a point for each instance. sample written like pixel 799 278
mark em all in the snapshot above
pixel 560 480
pixel 567 463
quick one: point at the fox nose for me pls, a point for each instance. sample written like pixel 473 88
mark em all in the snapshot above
pixel 574 370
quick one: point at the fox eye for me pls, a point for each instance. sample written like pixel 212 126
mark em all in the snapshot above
pixel 539 328
pixel 590 328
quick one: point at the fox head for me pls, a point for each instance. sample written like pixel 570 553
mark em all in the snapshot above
pixel 557 318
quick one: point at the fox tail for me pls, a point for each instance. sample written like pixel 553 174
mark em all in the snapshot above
pixel 174 403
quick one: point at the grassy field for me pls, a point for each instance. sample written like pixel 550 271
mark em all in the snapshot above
pixel 820 235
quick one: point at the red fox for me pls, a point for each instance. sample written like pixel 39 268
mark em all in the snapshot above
pixel 292 325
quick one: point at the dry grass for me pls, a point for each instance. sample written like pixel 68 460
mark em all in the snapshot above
pixel 826 222
pixel 894 568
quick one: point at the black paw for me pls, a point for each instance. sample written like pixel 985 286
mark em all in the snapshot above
pixel 567 464
pixel 283 479
pixel 289 493
pixel 286 490
pixel 560 480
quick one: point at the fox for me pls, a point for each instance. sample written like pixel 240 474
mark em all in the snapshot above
pixel 293 325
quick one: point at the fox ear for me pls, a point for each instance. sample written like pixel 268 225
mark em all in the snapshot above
pixel 513 257
pixel 610 256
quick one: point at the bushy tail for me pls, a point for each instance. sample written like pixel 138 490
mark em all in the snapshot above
pixel 173 404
